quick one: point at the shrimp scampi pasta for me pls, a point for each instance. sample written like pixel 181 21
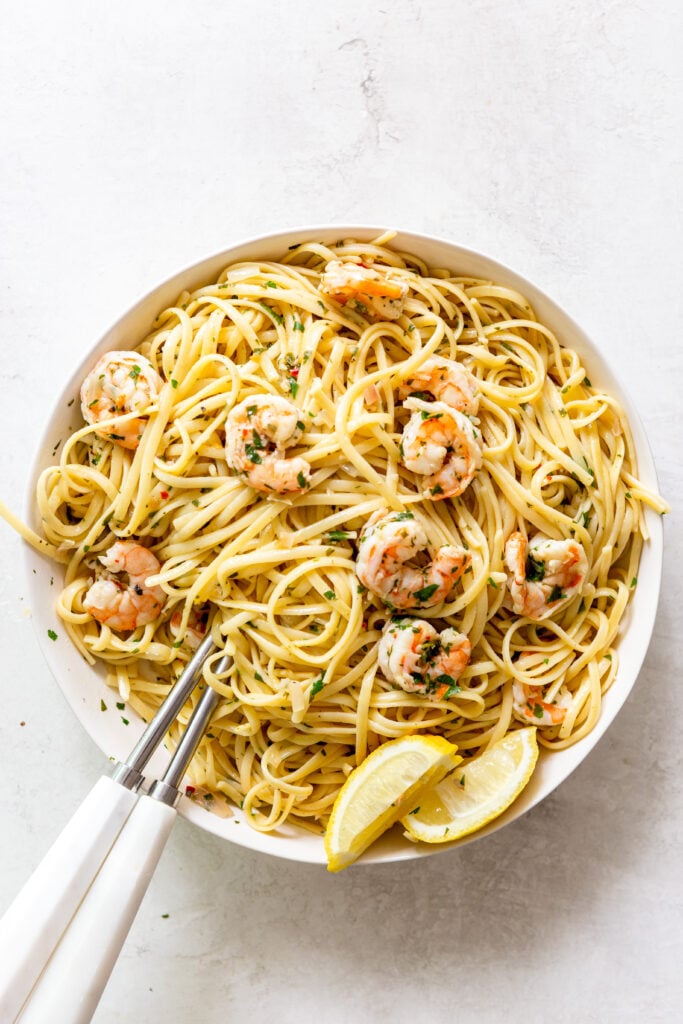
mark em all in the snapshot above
pixel 387 490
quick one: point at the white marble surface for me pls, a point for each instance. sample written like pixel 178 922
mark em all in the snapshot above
pixel 138 137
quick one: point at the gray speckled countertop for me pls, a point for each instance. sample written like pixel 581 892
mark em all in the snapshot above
pixel 138 137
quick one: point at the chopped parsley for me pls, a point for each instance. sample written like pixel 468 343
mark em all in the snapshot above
pixel 52 635
pixel 252 453
pixel 425 593
pixel 103 706
pixel 330 595
pixel 400 517
pixel 556 594
pixel 493 583
pixel 277 317
pixel 534 570
pixel 301 479
pixel 337 535
pixel 634 581
pixel 135 372
pixel 317 686
pixel 174 383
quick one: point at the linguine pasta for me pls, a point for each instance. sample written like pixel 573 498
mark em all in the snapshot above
pixel 274 577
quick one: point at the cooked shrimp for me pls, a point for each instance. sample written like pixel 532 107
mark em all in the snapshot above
pixel 365 288
pixel 448 381
pixel 442 444
pixel 388 541
pixel 196 627
pixel 529 707
pixel 544 578
pixel 257 433
pixel 415 655
pixel 119 383
pixel 125 606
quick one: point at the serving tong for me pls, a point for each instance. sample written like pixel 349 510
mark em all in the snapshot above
pixel 60 938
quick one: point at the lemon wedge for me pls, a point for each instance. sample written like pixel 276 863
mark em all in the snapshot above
pixel 381 790
pixel 476 793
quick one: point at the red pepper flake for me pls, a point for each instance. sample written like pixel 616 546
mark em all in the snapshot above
pixel 294 372
pixel 364 624
pixel 189 790
pixel 164 494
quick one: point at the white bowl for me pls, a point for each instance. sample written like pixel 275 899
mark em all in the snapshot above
pixel 84 687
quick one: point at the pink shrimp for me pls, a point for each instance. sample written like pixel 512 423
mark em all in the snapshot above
pixel 543 574
pixel 120 383
pixel 366 289
pixel 443 445
pixel 529 706
pixel 196 627
pixel 388 541
pixel 120 606
pixel 415 655
pixel 448 381
pixel 257 433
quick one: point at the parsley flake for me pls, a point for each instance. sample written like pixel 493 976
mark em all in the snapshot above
pixel 317 686
pixel 425 593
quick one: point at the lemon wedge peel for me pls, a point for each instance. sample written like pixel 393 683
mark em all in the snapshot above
pixel 382 790
pixel 477 793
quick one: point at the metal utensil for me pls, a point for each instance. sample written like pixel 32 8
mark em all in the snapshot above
pixel 62 935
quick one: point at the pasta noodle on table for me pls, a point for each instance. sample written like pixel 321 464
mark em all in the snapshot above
pixel 387 490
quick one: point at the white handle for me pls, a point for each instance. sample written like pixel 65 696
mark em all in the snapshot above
pixel 70 987
pixel 34 923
